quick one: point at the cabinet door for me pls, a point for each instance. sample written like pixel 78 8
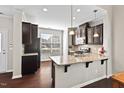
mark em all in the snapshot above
pixel 26 33
pixel 29 64
pixel 99 30
pixel 101 33
pixel 96 39
pixel 90 33
pixel 72 38
pixel 34 31
pixel 83 33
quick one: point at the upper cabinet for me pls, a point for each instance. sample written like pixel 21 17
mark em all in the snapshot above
pixel 80 36
pixel 99 39
pixel 29 32
pixel 34 31
pixel 26 33
pixel 90 38
pixel 72 38
pixel 90 35
pixel 84 34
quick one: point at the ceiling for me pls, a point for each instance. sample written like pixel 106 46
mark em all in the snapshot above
pixel 57 16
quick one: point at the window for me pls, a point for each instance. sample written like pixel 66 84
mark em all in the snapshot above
pixel 51 43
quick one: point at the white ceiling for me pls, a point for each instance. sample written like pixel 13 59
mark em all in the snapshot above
pixel 57 16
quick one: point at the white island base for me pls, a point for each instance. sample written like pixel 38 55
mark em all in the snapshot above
pixel 78 74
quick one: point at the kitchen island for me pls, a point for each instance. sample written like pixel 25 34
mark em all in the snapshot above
pixel 77 71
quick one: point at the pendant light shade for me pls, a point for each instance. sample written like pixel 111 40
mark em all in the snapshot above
pixel 71 32
pixel 95 32
pixel 96 35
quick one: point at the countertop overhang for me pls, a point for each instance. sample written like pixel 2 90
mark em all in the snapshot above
pixel 30 54
pixel 68 60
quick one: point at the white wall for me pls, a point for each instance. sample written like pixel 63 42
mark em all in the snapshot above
pixel 28 18
pixel 7 22
pixel 17 44
pixel 118 36
pixel 107 43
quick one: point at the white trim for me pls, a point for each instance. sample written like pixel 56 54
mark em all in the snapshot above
pixel 6 30
pixel 108 76
pixel 6 16
pixel 7 51
pixel 10 70
pixel 89 82
pixel 17 76
pixel 50 29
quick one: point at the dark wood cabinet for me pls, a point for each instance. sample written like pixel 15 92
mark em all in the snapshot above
pixel 34 48
pixel 90 35
pixel 29 64
pixel 34 31
pixel 72 38
pixel 85 35
pixel 83 32
pixel 26 33
pixel 99 31
pixel 29 32
pixel 31 45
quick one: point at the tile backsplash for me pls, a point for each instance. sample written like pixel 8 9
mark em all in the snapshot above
pixel 94 48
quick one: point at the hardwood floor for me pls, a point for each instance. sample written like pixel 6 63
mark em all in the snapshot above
pixel 104 83
pixel 41 79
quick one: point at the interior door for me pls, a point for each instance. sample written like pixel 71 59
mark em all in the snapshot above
pixel 3 50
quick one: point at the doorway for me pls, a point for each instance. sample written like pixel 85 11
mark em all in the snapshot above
pixel 3 50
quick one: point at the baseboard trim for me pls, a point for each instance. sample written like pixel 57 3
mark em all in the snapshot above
pixel 88 82
pixel 17 76
pixel 108 76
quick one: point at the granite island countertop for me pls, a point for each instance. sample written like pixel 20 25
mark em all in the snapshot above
pixel 71 59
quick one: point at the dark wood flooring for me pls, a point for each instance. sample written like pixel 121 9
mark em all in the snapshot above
pixel 104 83
pixel 41 79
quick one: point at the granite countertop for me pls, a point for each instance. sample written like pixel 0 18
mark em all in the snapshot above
pixel 68 59
pixel 30 54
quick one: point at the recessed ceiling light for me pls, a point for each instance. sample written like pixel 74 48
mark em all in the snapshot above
pixel 74 18
pixel 45 9
pixel 78 10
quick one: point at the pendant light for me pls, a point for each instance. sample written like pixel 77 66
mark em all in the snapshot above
pixel 95 32
pixel 71 32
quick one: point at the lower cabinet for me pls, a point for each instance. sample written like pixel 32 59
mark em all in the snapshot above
pixel 29 64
